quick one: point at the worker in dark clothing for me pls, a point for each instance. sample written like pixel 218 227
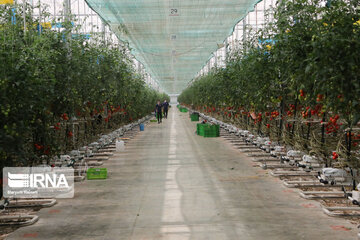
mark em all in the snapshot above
pixel 166 108
pixel 158 111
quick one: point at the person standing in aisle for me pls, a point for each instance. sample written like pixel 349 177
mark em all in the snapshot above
pixel 158 111
pixel 166 108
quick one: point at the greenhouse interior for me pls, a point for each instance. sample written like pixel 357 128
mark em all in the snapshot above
pixel 180 119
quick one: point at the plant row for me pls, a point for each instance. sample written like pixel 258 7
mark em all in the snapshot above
pixel 57 92
pixel 297 80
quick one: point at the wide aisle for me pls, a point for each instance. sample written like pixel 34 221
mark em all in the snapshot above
pixel 172 184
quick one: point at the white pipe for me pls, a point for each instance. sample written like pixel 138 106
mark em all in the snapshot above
pixel 24 15
pixel 32 220
pixel 15 203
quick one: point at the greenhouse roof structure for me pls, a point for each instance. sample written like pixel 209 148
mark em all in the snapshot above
pixel 172 38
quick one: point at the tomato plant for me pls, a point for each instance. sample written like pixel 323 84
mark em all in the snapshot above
pixel 296 80
pixel 57 93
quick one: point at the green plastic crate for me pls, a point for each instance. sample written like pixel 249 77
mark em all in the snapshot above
pixel 200 128
pixel 210 133
pixel 207 130
pixel 194 117
pixel 184 110
pixel 96 173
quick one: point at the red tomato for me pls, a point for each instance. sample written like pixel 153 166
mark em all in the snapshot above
pixel 70 134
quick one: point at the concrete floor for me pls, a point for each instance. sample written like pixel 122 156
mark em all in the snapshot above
pixel 172 184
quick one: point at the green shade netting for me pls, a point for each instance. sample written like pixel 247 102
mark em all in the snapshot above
pixel 172 38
